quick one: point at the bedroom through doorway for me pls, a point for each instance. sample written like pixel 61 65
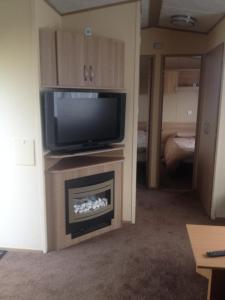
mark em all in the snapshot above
pixel 179 121
pixel 145 92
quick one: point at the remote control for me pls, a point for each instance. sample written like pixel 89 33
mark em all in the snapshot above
pixel 215 253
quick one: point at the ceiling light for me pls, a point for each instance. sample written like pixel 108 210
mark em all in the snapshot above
pixel 183 21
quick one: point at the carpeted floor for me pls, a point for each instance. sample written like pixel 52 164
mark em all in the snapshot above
pixel 180 179
pixel 150 260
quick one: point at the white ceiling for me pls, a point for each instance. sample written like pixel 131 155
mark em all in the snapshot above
pixel 67 6
pixel 207 12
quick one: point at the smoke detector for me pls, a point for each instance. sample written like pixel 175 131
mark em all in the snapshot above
pixel 183 21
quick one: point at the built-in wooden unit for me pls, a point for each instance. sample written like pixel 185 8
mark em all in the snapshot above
pixel 174 79
pixel 48 69
pixel 59 169
pixel 69 59
pixel 73 60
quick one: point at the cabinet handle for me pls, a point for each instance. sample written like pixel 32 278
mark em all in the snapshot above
pixel 85 73
pixel 91 73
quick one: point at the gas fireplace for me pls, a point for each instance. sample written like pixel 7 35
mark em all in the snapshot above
pixel 89 203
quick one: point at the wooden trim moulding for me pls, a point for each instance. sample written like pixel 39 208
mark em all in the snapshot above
pixel 53 7
pixel 152 78
pixel 163 57
pixel 154 12
pixel 217 23
pixel 174 29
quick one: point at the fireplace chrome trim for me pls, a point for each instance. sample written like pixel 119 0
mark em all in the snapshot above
pixel 89 191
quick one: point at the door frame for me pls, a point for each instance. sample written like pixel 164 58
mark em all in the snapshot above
pixel 159 135
pixel 212 212
pixel 152 59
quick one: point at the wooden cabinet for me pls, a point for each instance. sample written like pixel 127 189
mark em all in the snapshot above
pixel 174 79
pixel 71 57
pixel 48 70
pixel 189 78
pixel 90 62
pixel 110 63
pixel 170 81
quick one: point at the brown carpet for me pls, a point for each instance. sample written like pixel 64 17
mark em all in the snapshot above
pixel 149 260
pixel 179 179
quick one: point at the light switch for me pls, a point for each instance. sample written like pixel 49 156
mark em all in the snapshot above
pixel 24 152
pixel 189 112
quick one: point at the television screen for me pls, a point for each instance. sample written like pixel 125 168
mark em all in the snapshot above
pixel 76 120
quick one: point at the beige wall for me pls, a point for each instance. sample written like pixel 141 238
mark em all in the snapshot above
pixel 22 201
pixel 120 22
pixel 177 106
pixel 172 42
pixel 216 37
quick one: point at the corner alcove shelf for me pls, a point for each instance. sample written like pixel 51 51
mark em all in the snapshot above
pixel 65 167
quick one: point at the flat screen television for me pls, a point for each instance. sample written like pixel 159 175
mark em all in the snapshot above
pixel 80 120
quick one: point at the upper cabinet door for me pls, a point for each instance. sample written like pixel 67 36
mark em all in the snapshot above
pixel 119 64
pixel 105 62
pixel 71 57
pixel 48 70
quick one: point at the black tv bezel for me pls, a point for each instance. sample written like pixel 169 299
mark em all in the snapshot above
pixel 49 127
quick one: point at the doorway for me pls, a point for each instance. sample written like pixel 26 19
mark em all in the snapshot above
pixel 145 92
pixel 179 121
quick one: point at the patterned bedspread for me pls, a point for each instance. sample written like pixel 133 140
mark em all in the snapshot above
pixel 177 150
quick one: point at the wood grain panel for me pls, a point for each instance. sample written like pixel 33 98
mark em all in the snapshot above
pixel 94 61
pixel 189 78
pixel 119 64
pixel 170 81
pixel 55 192
pixel 106 57
pixel 209 110
pixel 47 44
pixel 71 57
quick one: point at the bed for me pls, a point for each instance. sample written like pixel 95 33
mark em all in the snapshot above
pixel 179 149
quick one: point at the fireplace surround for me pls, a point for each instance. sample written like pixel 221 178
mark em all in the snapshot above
pixel 83 198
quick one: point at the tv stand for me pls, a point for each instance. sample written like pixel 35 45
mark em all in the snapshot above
pixel 102 150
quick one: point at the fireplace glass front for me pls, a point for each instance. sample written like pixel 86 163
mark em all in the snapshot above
pixel 89 203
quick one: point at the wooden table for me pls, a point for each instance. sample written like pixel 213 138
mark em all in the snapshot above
pixel 205 238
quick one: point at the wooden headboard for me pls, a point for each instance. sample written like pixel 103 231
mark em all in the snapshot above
pixel 185 127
